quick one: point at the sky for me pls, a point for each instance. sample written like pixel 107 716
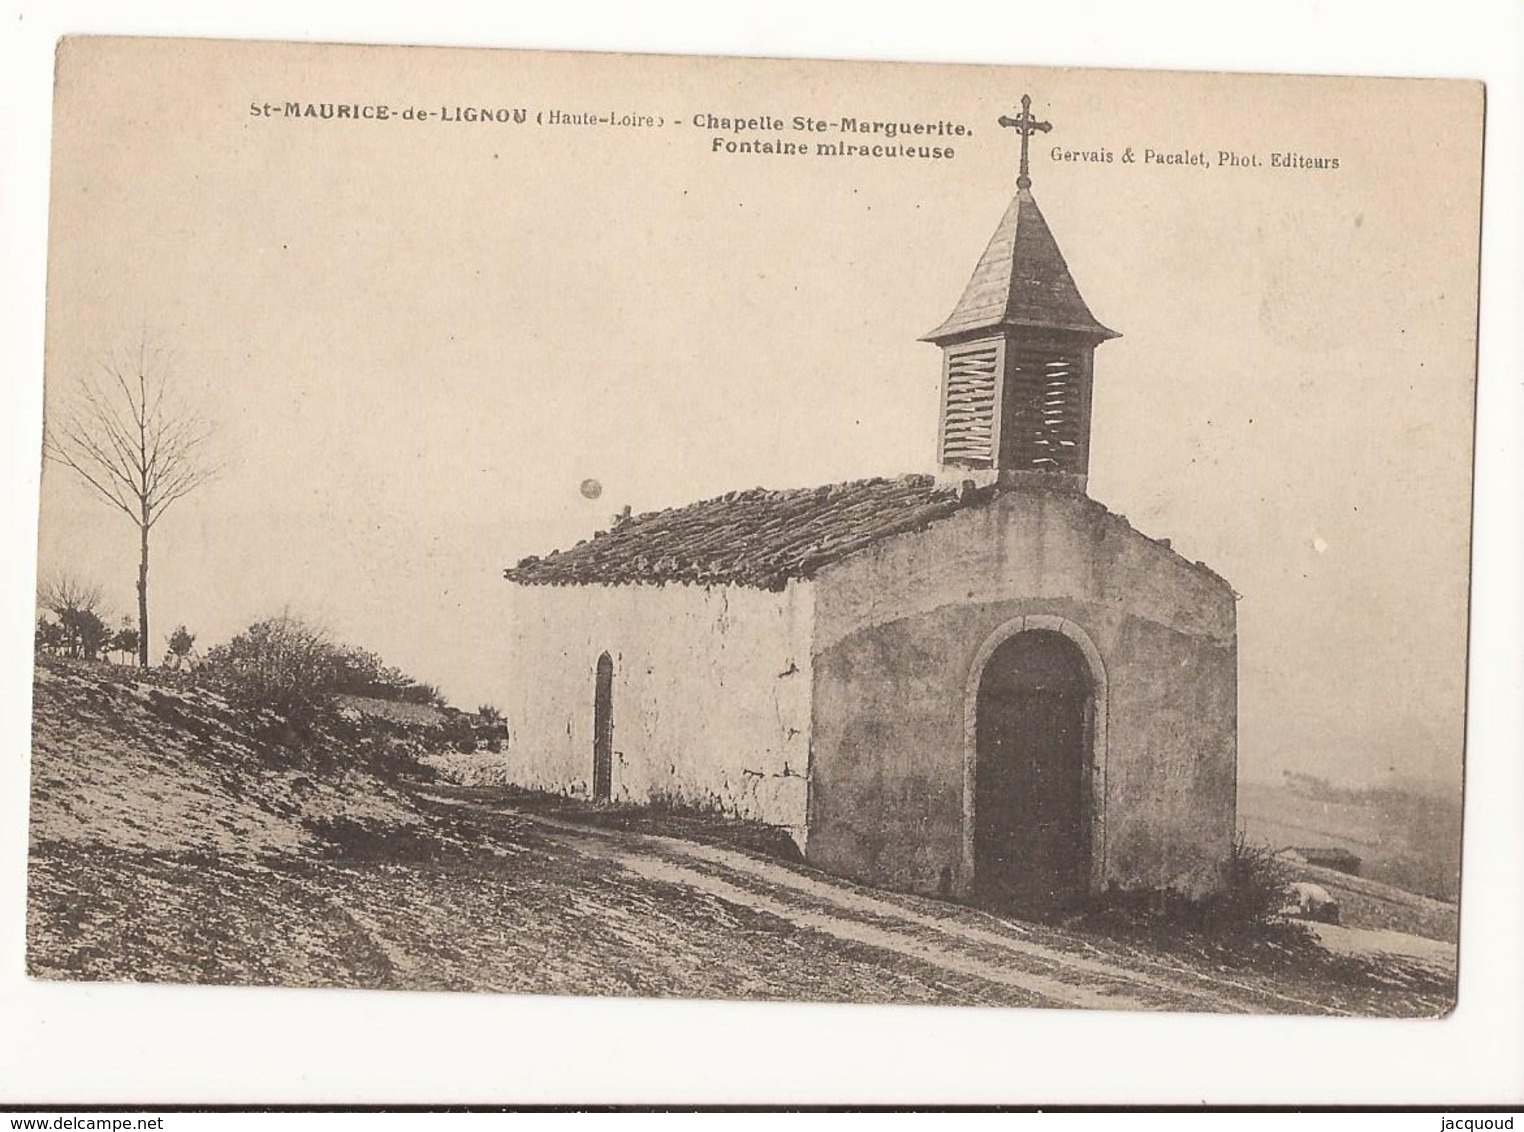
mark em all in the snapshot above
pixel 417 339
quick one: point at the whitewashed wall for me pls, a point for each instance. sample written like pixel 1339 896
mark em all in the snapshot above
pixel 711 694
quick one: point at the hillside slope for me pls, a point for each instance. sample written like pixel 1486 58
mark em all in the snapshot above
pixel 175 839
pixel 125 763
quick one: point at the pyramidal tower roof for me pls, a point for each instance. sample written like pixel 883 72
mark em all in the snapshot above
pixel 1021 281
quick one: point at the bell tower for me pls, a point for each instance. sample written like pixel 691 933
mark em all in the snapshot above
pixel 1018 352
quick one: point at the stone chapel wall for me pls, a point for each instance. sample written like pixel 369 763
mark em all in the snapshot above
pixel 899 631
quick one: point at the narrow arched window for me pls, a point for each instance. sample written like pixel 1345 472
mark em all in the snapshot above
pixel 603 730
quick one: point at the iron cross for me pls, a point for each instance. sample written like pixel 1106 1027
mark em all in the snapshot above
pixel 1025 124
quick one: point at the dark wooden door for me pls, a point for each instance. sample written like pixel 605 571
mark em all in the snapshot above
pixel 1031 834
pixel 603 730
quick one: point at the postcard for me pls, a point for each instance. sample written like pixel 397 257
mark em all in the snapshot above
pixel 659 526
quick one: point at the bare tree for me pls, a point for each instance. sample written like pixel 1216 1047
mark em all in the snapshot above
pixel 138 447
pixel 82 627
pixel 63 593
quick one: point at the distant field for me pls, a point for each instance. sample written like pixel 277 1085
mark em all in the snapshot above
pixel 1404 838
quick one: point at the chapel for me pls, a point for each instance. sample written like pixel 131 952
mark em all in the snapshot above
pixel 974 682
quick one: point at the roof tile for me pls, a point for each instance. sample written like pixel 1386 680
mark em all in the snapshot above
pixel 757 538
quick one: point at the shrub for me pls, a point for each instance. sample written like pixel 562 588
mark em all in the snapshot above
pixel 86 631
pixel 363 673
pixel 50 637
pixel 181 642
pixel 1244 911
pixel 388 756
pixel 1256 888
pixel 459 732
pixel 76 605
pixel 281 664
pixel 81 628
pixel 426 694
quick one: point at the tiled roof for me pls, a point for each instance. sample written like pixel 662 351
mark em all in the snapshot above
pixel 755 538
pixel 1020 280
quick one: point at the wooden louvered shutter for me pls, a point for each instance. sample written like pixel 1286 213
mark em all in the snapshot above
pixel 971 403
pixel 1048 426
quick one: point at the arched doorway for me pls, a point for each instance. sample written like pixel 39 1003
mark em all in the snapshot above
pixel 603 730
pixel 1034 730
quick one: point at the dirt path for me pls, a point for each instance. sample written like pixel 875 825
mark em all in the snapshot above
pixel 958 940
